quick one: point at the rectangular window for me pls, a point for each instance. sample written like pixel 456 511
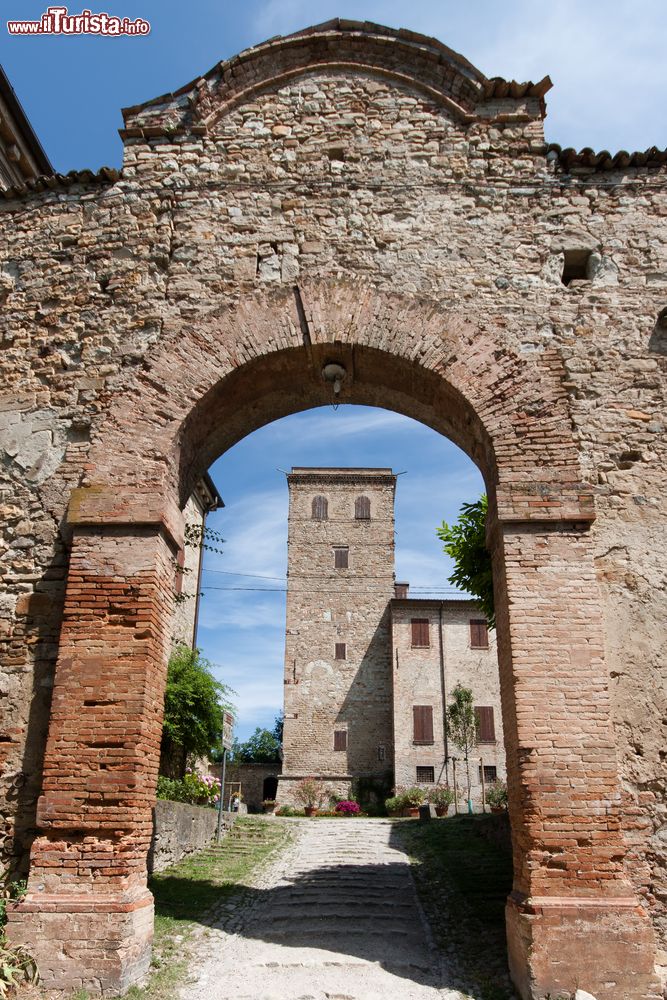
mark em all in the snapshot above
pixel 422 716
pixel 490 774
pixel 420 633
pixel 426 775
pixel 341 557
pixel 341 651
pixel 479 633
pixel 486 730
pixel 382 752
pixel 340 739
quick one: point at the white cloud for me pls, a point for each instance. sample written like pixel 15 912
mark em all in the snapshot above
pixel 606 58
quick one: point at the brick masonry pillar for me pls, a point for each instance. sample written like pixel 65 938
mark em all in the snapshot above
pixel 573 920
pixel 88 915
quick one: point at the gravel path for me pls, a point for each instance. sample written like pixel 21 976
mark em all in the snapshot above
pixel 335 917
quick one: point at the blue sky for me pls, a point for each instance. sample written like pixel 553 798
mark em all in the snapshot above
pixel 606 58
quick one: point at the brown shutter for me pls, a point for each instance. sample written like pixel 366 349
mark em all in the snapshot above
pixel 362 509
pixel 340 739
pixel 479 633
pixel 486 730
pixel 340 558
pixel 423 723
pixel 341 651
pixel 320 511
pixel 420 632
pixel 180 571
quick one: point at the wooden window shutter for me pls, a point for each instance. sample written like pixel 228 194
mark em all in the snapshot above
pixel 423 723
pixel 479 633
pixel 420 632
pixel 180 571
pixel 486 730
pixel 320 510
pixel 340 739
pixel 362 509
pixel 341 651
pixel 341 558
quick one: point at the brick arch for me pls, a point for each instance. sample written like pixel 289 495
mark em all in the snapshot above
pixel 205 387
pixel 405 57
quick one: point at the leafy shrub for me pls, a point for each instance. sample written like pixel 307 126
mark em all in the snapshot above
pixel 496 795
pixel 412 797
pixel 16 964
pixel 441 795
pixel 193 788
pixel 394 805
pixel 289 811
pixel 348 807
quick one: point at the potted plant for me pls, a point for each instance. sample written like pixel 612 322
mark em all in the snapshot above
pixel 413 798
pixel 442 797
pixel 310 794
pixel 269 805
pixel 394 805
pixel 496 797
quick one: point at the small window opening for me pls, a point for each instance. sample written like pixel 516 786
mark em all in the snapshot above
pixel 341 558
pixel 479 633
pixel 341 651
pixel 320 509
pixel 420 633
pixel 426 775
pixel 490 773
pixel 340 739
pixel 362 509
pixel 382 751
pixel 575 266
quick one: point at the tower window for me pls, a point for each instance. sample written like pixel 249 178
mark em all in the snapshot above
pixel 320 509
pixel 490 773
pixel 362 509
pixel 479 633
pixel 341 651
pixel 340 739
pixel 426 775
pixel 341 557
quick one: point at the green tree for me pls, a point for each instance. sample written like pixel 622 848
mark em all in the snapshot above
pixel 465 542
pixel 194 702
pixel 263 747
pixel 462 726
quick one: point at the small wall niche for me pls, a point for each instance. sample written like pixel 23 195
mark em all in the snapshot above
pixel 575 266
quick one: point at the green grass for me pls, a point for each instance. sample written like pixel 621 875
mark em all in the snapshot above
pixel 463 881
pixel 187 894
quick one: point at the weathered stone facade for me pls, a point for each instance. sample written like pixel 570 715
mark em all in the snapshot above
pixel 364 196
pixel 204 499
pixel 426 669
pixel 340 578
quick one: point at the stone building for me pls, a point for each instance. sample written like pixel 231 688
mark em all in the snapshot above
pixel 436 645
pixel 367 669
pixel 340 578
pixel 364 196
pixel 22 157
pixel 190 558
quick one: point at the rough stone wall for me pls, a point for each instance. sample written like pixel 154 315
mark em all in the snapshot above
pixel 417 680
pixel 179 830
pixel 124 303
pixel 326 606
pixel 252 778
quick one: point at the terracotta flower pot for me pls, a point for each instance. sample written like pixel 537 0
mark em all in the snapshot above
pixel 310 810
pixel 412 811
pixel 441 810
pixel 497 809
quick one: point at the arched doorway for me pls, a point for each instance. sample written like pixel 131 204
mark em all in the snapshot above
pixel 508 413
pixel 269 788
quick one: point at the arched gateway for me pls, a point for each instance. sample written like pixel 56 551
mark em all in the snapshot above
pixel 365 197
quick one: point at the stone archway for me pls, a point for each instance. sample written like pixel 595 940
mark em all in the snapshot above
pixel 364 195
pixel 102 756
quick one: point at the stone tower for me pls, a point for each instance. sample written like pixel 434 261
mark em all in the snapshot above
pixel 338 702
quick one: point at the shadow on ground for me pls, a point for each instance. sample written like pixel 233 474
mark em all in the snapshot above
pixel 367 912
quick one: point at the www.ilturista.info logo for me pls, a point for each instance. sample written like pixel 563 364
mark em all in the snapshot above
pixel 57 21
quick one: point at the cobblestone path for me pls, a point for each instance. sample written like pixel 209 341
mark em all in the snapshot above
pixel 336 917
